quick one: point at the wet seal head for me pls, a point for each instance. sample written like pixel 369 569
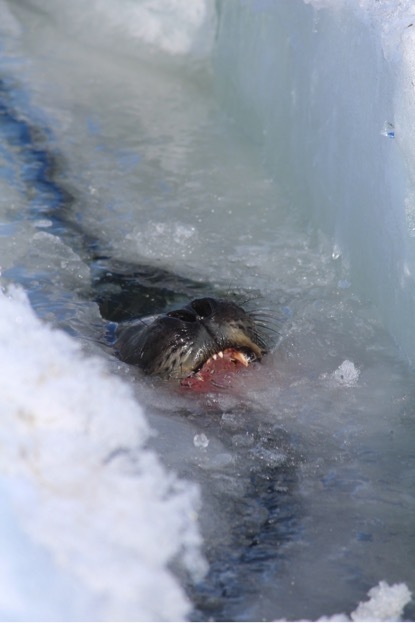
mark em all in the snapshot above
pixel 207 335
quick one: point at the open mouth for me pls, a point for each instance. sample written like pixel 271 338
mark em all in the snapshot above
pixel 216 370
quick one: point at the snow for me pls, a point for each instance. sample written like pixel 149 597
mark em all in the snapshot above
pixel 386 603
pixel 100 517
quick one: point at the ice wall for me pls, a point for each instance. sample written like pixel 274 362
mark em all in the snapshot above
pixel 327 88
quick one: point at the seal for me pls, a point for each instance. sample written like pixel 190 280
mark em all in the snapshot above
pixel 206 337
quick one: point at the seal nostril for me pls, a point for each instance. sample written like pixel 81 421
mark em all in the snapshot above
pixel 198 309
pixel 183 314
pixel 202 307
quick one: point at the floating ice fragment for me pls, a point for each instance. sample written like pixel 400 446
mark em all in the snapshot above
pixel 200 441
pixel 346 374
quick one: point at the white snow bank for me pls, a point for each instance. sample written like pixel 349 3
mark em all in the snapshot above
pixel 90 519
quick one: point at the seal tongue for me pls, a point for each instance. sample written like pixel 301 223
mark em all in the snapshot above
pixel 214 371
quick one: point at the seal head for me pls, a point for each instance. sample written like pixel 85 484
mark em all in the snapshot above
pixel 187 341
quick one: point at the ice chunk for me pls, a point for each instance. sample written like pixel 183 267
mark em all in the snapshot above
pixel 346 374
pixel 200 441
pixel 386 603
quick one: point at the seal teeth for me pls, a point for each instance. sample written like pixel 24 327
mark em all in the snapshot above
pixel 214 356
pixel 241 357
pixel 220 353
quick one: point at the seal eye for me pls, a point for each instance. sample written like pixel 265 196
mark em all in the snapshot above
pixel 183 314
pixel 202 307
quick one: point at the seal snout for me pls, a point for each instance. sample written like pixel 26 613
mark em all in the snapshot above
pixel 204 336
